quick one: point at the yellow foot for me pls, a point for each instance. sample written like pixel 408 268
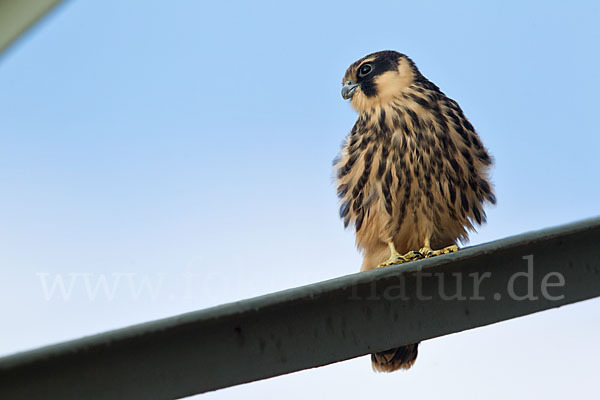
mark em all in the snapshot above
pixel 400 259
pixel 427 252
pixel 413 255
pixel 395 258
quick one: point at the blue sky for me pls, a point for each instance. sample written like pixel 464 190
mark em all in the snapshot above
pixel 146 140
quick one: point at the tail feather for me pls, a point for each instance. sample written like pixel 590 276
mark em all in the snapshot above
pixel 394 359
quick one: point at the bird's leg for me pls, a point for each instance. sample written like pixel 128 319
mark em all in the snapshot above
pixel 395 257
pixel 428 252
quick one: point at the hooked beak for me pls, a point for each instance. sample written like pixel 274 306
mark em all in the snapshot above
pixel 348 89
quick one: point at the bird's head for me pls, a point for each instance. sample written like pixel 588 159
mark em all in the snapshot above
pixel 377 79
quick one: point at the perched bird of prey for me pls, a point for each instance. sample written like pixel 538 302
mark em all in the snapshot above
pixel 412 175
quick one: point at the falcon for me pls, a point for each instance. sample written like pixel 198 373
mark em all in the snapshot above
pixel 412 175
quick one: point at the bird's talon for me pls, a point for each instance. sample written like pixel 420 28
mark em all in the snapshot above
pixel 451 249
pixel 414 255
pixel 428 253
pixel 392 261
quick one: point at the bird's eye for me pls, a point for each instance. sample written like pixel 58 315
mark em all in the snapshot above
pixel 365 70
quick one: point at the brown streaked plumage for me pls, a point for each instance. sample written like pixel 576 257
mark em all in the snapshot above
pixel 412 174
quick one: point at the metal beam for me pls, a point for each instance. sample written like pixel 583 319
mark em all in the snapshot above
pixel 317 324
pixel 16 16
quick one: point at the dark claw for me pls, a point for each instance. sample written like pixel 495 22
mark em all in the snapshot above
pixel 414 255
